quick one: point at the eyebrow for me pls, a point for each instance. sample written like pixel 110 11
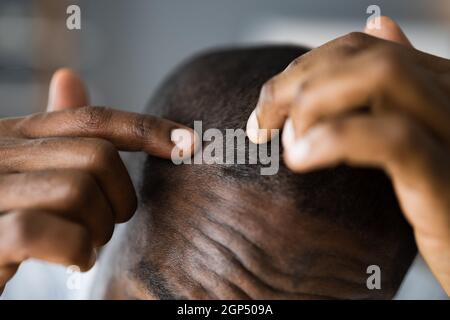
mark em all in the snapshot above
pixel 147 273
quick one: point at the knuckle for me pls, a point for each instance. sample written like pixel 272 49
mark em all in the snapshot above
pixel 403 139
pixel 356 40
pixel 268 91
pixel 336 130
pixel 100 153
pixel 22 229
pixel 389 64
pixel 296 62
pixel 307 109
pixel 77 189
pixel 93 118
pixel 143 127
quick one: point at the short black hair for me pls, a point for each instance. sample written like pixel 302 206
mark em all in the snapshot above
pixel 221 88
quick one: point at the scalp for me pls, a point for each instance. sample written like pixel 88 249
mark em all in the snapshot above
pixel 221 88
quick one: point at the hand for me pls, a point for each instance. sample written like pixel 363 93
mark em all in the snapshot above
pixel 63 185
pixel 406 130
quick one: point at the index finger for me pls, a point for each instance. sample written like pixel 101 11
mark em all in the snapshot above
pixel 128 131
pixel 278 94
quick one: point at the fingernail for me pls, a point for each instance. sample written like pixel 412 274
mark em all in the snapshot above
pixel 253 127
pixel 254 133
pixel 52 91
pixel 187 141
pixel 299 151
pixel 288 137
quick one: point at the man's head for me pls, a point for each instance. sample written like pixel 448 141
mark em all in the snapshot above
pixel 225 231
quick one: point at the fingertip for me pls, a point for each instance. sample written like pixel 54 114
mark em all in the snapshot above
pixel 388 23
pixel 254 133
pixel 186 141
pixel 252 127
pixel 384 27
pixel 65 73
pixel 67 91
pixel 288 136
pixel 297 154
pixel 196 144
pixel 382 20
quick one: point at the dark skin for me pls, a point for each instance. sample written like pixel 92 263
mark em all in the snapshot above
pixel 225 263
pixel 257 247
pixel 62 181
pixel 205 231
pixel 235 241
pixel 406 133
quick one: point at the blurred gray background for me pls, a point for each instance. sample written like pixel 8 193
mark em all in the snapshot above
pixel 125 48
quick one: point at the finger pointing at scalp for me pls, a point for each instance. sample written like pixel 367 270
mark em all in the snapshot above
pixel 126 130
pixel 339 90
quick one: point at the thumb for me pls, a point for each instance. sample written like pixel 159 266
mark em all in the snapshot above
pixel 67 91
pixel 386 29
